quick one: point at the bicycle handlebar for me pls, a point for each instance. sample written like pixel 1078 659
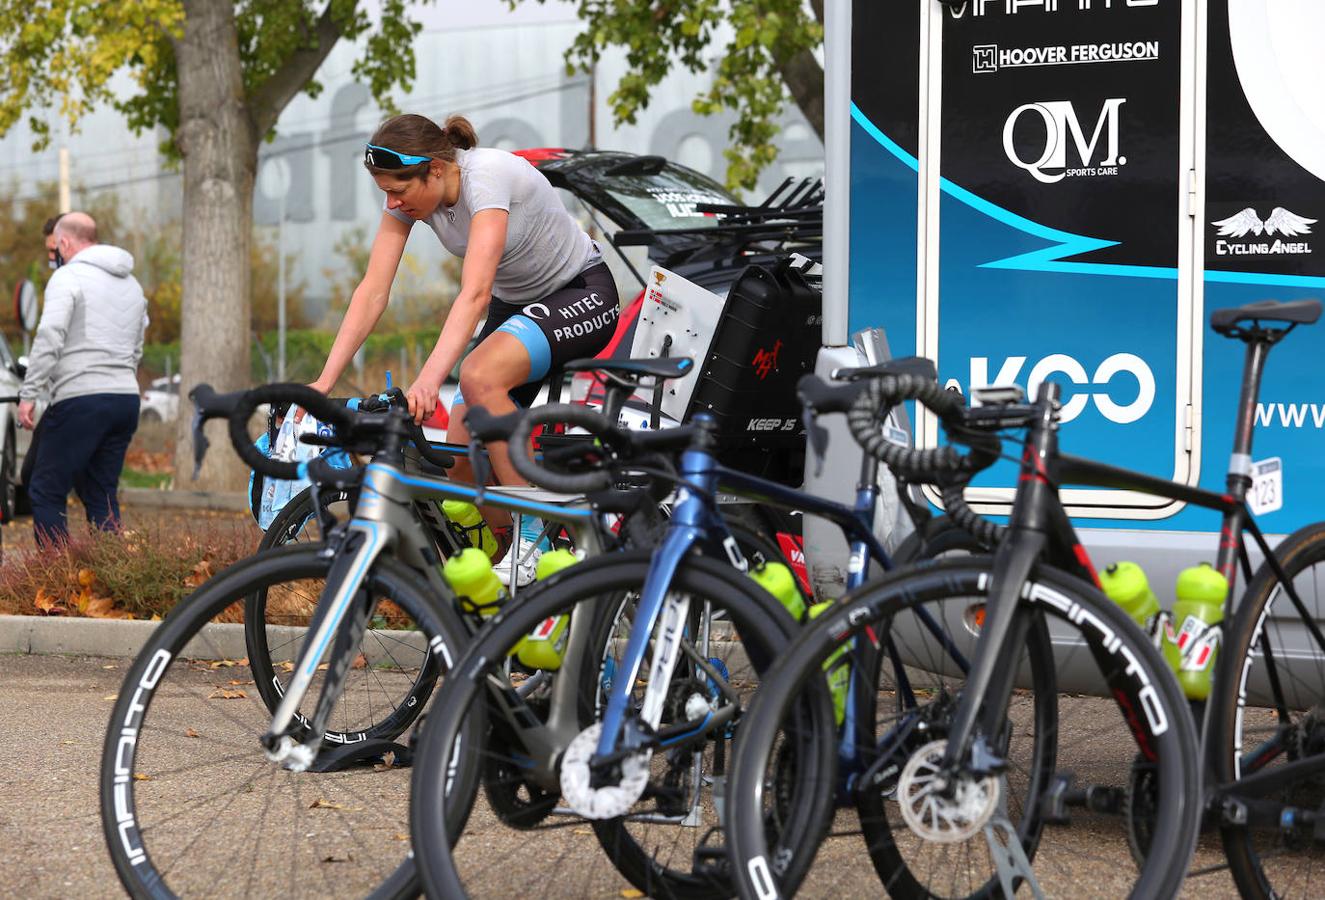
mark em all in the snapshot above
pixel 591 420
pixel 943 466
pixel 238 408
pixel 638 446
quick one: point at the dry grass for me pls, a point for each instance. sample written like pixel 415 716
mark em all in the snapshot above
pixel 141 572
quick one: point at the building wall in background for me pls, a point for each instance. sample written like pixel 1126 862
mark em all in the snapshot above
pixel 503 70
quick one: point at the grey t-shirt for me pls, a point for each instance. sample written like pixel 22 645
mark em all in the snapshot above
pixel 545 247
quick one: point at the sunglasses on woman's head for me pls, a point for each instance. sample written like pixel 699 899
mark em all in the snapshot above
pixel 383 158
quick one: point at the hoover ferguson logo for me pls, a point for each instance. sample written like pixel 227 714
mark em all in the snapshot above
pixel 1239 233
pixel 1052 129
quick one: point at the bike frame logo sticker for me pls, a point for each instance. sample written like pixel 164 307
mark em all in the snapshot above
pixel 1062 128
pixel 1233 231
pixel 1061 364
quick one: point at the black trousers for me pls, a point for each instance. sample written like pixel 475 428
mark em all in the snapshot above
pixel 82 447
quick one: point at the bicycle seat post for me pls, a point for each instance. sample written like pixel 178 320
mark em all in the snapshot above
pixel 1239 466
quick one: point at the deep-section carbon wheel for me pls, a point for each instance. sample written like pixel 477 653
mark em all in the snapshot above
pixel 190 802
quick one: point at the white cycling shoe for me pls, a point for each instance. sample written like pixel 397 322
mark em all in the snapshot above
pixel 526 554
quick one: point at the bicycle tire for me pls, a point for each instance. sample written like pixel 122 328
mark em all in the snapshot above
pixel 762 626
pixel 1239 713
pixel 295 522
pixel 767 872
pixel 158 776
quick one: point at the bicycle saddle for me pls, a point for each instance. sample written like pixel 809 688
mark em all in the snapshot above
pixel 1296 312
pixel 634 369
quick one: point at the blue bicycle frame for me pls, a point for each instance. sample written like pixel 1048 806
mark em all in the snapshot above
pixel 695 524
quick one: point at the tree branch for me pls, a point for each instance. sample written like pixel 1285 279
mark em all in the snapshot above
pixel 269 98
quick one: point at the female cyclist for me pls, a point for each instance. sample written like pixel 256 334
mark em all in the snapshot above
pixel 532 276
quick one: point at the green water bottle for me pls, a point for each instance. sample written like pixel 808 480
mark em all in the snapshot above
pixel 470 575
pixel 1192 640
pixel 839 671
pixel 472 523
pixel 1125 584
pixel 545 646
pixel 777 579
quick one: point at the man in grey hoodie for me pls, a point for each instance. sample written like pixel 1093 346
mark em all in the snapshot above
pixel 87 349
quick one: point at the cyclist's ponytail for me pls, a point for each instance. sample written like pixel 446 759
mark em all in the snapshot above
pixel 460 133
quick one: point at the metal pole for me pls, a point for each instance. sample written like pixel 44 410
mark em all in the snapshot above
pixel 280 291
pixel 64 180
pixel 837 172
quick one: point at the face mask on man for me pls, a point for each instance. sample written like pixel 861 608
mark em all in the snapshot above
pixel 57 262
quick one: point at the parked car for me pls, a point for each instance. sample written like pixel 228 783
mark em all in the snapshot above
pixel 11 379
pixel 160 402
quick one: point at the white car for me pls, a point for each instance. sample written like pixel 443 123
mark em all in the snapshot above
pixel 160 402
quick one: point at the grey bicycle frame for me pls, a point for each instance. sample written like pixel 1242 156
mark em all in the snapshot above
pixel 389 518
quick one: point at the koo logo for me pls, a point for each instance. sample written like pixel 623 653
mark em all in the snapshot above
pixel 1061 364
pixel 1061 125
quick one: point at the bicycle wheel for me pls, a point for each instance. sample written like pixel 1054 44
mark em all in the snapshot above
pixel 297 522
pixel 984 835
pixel 1268 712
pixel 656 813
pixel 190 803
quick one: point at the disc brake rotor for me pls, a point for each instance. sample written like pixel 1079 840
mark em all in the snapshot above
pixel 938 818
pixel 607 801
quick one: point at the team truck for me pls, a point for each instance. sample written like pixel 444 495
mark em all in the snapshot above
pixel 1025 190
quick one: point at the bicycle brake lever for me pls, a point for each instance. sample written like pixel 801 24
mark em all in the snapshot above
pixel 478 462
pixel 817 438
pixel 200 443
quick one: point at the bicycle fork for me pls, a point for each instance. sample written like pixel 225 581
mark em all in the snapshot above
pixel 336 616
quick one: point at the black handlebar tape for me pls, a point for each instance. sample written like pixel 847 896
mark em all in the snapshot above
pixel 314 403
pixel 487 427
pixel 211 405
pixel 954 503
pixel 438 459
pixel 584 417
pixel 888 391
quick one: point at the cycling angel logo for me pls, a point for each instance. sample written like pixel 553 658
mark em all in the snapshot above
pixel 1281 221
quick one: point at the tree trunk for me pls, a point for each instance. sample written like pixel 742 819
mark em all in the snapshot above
pixel 218 142
pixel 804 77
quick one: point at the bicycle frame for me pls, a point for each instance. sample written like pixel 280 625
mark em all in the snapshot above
pixel 386 520
pixel 695 524
pixel 1039 526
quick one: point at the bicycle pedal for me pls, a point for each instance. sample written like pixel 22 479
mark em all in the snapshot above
pixel 1059 797
pixel 711 859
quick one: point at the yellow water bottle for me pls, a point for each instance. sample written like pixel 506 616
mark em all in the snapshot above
pixel 778 580
pixel 545 646
pixel 470 575
pixel 838 669
pixel 472 523
pixel 1125 584
pixel 1192 641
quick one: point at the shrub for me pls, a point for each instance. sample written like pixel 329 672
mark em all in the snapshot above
pixel 136 574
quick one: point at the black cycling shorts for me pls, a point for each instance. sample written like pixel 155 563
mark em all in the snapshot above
pixel 574 322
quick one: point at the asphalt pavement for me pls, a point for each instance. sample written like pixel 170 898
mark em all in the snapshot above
pixel 55 710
